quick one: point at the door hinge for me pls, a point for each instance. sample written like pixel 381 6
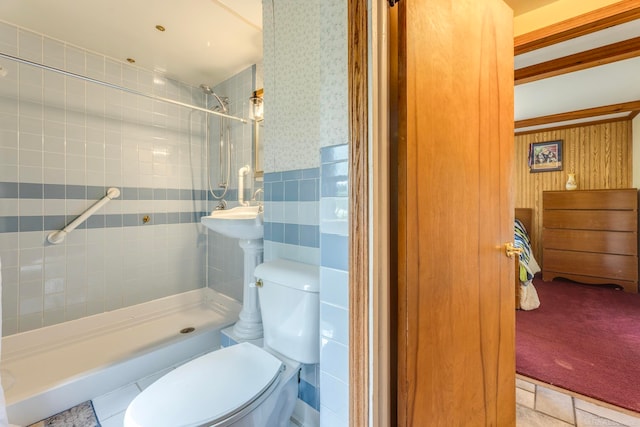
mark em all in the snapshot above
pixel 393 2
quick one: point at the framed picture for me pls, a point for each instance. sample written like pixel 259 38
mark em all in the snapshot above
pixel 545 156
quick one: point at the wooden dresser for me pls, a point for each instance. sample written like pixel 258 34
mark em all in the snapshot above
pixel 591 236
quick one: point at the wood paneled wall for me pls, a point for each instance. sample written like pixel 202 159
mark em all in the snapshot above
pixel 599 154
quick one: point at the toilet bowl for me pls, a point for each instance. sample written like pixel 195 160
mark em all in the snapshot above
pixel 244 385
pixel 221 388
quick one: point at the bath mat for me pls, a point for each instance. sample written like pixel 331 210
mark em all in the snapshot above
pixel 82 415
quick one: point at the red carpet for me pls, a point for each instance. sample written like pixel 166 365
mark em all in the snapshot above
pixel 583 338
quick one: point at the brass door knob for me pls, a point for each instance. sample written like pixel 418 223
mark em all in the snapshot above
pixel 511 250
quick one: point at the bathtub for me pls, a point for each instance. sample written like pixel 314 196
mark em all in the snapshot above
pixel 51 369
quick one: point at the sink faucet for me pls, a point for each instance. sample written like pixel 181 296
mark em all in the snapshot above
pixel 256 193
pixel 255 196
pixel 222 205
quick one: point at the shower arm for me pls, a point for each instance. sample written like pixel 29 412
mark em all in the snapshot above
pixel 224 180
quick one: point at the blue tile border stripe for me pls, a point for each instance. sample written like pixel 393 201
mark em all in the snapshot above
pixel 300 185
pixel 25 190
pixel 309 394
pixel 8 190
pixel 293 234
pixel 290 187
pixel 13 224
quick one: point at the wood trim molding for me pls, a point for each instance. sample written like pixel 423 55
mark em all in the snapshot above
pixel 608 16
pixel 358 215
pixel 579 61
pixel 383 402
pixel 575 125
pixel 579 114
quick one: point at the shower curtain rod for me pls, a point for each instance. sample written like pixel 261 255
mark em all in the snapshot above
pixel 122 88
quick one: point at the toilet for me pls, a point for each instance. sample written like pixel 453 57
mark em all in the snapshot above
pixel 244 385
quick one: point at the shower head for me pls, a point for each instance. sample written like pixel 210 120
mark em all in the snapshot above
pixel 222 102
pixel 208 91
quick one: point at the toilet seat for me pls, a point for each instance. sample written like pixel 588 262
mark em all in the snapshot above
pixel 207 390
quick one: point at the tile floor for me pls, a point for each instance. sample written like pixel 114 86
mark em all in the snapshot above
pixel 536 406
pixel 545 406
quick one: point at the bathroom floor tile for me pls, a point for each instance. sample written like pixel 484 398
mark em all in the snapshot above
pixel 554 403
pixel 526 417
pixel 114 421
pixel 525 385
pixel 587 419
pixel 525 398
pixel 609 414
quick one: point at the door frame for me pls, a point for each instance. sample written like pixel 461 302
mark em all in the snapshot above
pixel 359 298
pixel 370 366
pixel 369 304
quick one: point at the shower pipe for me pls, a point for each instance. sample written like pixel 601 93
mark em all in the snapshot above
pixel 56 237
pixel 122 88
pixel 224 131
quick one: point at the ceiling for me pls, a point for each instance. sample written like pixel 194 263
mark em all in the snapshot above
pixel 579 86
pixel 523 6
pixel 207 41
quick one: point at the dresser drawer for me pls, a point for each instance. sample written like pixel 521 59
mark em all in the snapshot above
pixel 611 220
pixel 619 267
pixel 591 199
pixel 611 242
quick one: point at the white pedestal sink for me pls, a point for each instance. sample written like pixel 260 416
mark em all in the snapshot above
pixel 245 223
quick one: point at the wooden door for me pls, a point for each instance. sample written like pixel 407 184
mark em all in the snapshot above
pixel 456 318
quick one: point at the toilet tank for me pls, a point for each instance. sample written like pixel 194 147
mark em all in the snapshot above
pixel 290 306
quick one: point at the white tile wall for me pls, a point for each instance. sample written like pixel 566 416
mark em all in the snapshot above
pixel 334 402
pixel 275 250
pixel 61 130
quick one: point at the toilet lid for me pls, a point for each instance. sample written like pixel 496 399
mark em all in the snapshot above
pixel 205 389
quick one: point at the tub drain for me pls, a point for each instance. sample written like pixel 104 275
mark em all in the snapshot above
pixel 187 330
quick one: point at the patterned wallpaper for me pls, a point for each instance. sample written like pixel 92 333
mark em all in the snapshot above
pixel 334 117
pixel 306 102
pixel 292 79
